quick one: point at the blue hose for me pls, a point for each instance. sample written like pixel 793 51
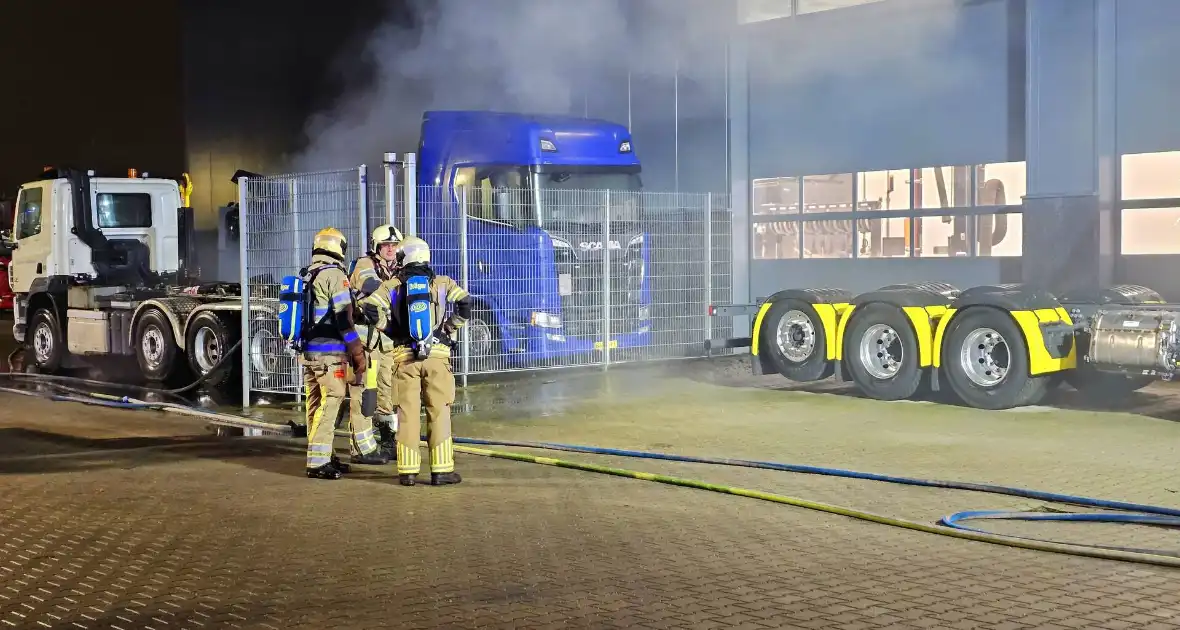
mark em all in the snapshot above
pixel 1148 514
pixel 837 472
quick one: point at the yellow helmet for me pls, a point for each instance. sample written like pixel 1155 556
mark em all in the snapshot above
pixel 384 234
pixel 414 250
pixel 330 241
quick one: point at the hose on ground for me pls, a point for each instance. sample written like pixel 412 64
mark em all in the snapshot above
pixel 175 393
pixel 1155 557
pixel 952 525
pixel 1023 493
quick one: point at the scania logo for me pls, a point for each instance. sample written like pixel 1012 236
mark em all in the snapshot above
pixel 593 246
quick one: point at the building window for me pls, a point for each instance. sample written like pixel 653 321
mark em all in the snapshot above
pixel 931 212
pixel 1152 224
pixel 762 10
pixel 815 6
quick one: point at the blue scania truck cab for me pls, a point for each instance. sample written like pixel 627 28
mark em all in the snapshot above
pixel 543 263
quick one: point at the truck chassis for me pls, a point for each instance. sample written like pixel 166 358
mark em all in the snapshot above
pixel 994 346
pixel 165 330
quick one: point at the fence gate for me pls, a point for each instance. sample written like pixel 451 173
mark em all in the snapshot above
pixel 632 275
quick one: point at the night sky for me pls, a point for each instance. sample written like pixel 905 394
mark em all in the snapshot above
pixel 140 83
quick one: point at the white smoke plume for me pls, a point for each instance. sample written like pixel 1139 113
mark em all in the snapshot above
pixel 544 56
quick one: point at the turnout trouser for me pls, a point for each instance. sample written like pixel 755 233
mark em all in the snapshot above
pixel 386 388
pixel 324 385
pixel 430 382
pixel 362 440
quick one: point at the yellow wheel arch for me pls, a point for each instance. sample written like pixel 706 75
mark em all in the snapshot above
pixel 923 320
pixel 1041 328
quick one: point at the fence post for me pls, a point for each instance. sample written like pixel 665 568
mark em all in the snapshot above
pixel 363 205
pixel 463 261
pixel 708 266
pixel 411 168
pixel 389 162
pixel 243 239
pixel 297 259
pixel 606 284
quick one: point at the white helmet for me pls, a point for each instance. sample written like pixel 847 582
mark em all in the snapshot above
pixel 384 234
pixel 414 250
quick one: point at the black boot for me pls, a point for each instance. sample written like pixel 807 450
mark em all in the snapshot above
pixel 339 465
pixel 386 440
pixel 407 480
pixel 445 479
pixel 376 458
pixel 327 471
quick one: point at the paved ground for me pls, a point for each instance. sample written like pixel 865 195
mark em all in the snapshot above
pixel 174 529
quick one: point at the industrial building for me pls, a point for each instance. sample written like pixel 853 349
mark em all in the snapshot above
pixel 1067 103
pixel 963 141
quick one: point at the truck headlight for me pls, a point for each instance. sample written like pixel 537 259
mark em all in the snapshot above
pixel 542 319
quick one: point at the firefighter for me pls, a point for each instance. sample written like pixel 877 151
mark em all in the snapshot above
pixel 423 338
pixel 368 272
pixel 333 345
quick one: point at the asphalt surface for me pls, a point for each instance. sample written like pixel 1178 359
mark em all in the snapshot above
pixel 118 519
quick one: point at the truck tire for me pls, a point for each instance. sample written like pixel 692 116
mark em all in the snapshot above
pixel 985 359
pixel 269 361
pixel 1105 387
pixel 881 353
pixel 792 336
pixel 46 341
pixel 207 340
pixel 485 340
pixel 155 346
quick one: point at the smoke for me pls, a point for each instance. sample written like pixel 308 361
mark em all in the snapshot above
pixel 548 56
pixel 515 55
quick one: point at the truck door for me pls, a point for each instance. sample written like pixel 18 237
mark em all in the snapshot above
pixel 33 234
pixel 493 235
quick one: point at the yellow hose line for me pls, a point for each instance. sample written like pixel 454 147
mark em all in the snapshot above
pixel 997 539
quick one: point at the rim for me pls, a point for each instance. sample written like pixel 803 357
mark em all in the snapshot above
pixel 207 349
pixel 480 334
pixel 984 357
pixel 264 355
pixel 795 336
pixel 43 342
pixel 152 345
pixel 881 352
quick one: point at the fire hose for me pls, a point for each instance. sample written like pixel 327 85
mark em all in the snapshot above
pixel 952 525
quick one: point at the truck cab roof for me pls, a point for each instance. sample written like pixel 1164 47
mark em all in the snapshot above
pixel 456 137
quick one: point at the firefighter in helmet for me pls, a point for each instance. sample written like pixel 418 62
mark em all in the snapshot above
pixel 368 272
pixel 333 347
pixel 418 301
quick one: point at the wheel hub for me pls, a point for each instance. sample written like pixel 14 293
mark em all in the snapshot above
pixel 43 343
pixel 984 357
pixel 264 353
pixel 208 349
pixel 153 346
pixel 795 336
pixel 881 352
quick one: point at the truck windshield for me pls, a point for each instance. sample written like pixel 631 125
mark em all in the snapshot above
pixel 578 196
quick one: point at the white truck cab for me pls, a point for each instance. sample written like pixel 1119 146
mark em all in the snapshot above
pixel 56 236
pixel 101 266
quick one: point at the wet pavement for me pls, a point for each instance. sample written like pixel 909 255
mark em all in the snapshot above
pixel 118 519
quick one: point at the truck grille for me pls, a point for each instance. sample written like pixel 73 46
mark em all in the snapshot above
pixel 582 310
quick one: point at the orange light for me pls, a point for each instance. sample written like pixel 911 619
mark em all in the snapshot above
pixel 132 173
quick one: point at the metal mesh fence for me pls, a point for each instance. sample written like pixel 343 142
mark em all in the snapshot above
pixel 279 217
pixel 561 277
